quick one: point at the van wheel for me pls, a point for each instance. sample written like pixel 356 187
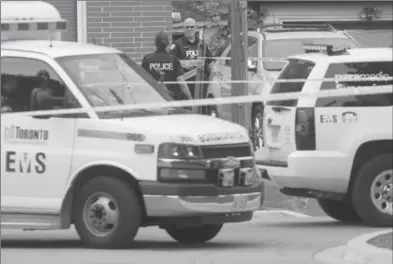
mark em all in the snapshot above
pixel 194 235
pixel 340 210
pixel 107 213
pixel 372 191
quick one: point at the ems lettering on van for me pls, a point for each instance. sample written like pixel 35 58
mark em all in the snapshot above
pixel 23 162
pixel 204 138
pixel 161 66
pixel 19 133
pixel 328 119
pixel 338 78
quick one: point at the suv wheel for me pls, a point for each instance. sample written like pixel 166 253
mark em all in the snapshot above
pixel 107 213
pixel 257 129
pixel 372 191
pixel 194 235
pixel 340 210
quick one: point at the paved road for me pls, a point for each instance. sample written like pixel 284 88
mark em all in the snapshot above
pixel 271 238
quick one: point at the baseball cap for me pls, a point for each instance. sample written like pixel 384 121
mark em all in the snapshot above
pixel 162 37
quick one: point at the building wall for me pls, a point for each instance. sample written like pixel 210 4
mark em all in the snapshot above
pixel 128 25
pixel 68 11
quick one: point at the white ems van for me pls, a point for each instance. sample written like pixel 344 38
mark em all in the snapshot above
pixel 337 149
pixel 108 173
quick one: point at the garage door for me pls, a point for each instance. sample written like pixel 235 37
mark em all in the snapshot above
pixel 68 11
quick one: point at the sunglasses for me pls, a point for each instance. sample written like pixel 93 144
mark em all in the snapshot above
pixel 190 27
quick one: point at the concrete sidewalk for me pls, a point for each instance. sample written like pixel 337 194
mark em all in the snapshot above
pixel 356 251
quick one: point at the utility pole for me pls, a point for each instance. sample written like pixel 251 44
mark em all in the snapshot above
pixel 239 58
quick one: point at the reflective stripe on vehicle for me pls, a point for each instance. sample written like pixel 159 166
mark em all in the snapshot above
pixel 110 135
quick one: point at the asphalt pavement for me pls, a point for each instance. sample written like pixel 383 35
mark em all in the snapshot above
pixel 271 237
pixel 276 200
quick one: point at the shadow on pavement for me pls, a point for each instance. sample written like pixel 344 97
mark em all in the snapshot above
pixel 316 224
pixel 138 245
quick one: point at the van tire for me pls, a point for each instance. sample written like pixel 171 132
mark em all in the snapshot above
pixel 120 202
pixel 361 190
pixel 341 210
pixel 194 235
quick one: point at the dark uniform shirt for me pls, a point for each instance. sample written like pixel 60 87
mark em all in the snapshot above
pixel 184 49
pixel 164 66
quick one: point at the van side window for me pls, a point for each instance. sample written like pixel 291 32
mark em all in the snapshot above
pixel 295 69
pixel 32 85
pixel 252 50
pixel 342 73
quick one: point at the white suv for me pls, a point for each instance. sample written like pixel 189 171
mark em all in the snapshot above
pixel 270 41
pixel 336 149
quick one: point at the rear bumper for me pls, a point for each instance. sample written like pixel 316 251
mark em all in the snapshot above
pixel 327 171
pixel 183 200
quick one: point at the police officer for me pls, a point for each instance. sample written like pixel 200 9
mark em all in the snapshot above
pixel 187 48
pixel 164 66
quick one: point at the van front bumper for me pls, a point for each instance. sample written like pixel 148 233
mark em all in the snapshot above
pixel 182 199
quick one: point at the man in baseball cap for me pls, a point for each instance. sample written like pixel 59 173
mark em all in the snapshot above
pixel 165 67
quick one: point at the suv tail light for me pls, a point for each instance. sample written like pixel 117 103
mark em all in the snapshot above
pixel 305 129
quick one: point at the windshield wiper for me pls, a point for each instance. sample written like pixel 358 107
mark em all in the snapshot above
pixel 96 95
pixel 118 99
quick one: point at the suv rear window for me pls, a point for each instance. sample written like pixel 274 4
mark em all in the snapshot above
pixel 342 73
pixel 295 69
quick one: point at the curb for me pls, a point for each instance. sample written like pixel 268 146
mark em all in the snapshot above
pixel 360 251
pixel 356 251
pixel 331 256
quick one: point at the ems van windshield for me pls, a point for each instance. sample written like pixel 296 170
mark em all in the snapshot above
pixel 296 69
pixel 283 48
pixel 112 80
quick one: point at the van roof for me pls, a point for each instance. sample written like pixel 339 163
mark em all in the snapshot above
pixel 26 11
pixel 58 49
pixel 352 55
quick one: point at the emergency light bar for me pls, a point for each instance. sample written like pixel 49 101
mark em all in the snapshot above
pixel 28 20
pixel 318 48
pixel 327 49
pixel 22 26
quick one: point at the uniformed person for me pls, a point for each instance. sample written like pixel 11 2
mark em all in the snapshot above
pixel 164 66
pixel 188 48
pixel 43 97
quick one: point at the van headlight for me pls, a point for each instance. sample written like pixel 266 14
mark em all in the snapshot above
pixel 179 151
pixel 174 163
